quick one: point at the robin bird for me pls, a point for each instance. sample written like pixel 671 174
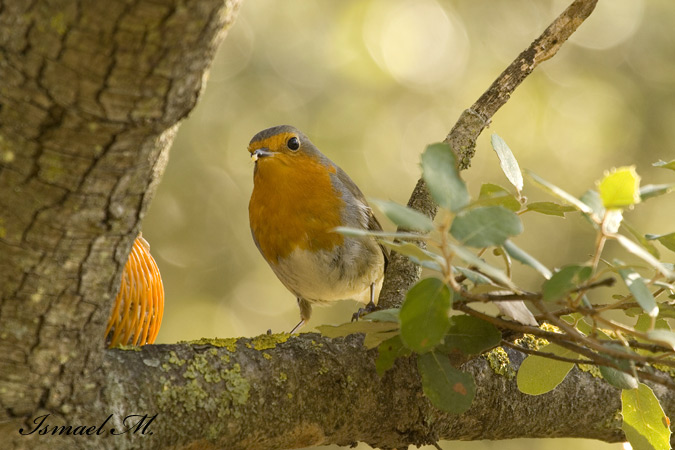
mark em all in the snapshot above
pixel 299 198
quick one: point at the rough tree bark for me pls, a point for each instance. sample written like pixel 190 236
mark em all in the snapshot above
pixel 90 97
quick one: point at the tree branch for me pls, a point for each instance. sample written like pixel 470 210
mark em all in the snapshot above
pixel 308 390
pixel 401 272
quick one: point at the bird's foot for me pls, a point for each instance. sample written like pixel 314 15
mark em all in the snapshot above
pixel 370 307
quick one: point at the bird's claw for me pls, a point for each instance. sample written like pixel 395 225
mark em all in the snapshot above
pixel 370 307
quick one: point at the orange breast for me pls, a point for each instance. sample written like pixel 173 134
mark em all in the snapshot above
pixel 294 205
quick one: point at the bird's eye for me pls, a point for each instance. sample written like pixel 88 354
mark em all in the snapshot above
pixel 293 143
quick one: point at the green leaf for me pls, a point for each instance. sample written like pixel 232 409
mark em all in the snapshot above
pixel 550 208
pixel 449 389
pixel 644 255
pixel 373 340
pixel 645 323
pixel 493 272
pixel 668 240
pixel 388 352
pixel 475 277
pixel 485 227
pixel 564 281
pixel 642 240
pixel 383 315
pixel 617 378
pixel 495 195
pixel 556 191
pixel 593 200
pixel 522 256
pixel 654 190
pixel 440 173
pixel 665 165
pixel 507 161
pixel 416 254
pixel 539 375
pixel 470 335
pixel 361 326
pixel 637 286
pixel 620 188
pixel 424 315
pixel 403 216
pixel 663 337
pixel 644 422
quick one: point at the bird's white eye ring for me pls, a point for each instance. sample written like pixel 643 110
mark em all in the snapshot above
pixel 293 143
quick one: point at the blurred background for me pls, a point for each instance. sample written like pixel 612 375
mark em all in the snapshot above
pixel 372 83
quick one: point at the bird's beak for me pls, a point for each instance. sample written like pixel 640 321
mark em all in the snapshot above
pixel 260 153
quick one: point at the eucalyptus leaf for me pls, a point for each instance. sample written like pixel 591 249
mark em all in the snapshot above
pixel 522 256
pixel 642 240
pixel 644 255
pixel 440 173
pixel 387 353
pixel 664 337
pixel 565 281
pixel 404 216
pixel 383 315
pixel 539 375
pixel 654 190
pixel 550 208
pixel 491 271
pixel 644 422
pixel 470 335
pixel 667 240
pixel 507 161
pixel 417 254
pixel 638 287
pixel 561 194
pixel 665 165
pixel 448 388
pixel 617 378
pixel 485 227
pixel 361 326
pixel 495 195
pixel 424 315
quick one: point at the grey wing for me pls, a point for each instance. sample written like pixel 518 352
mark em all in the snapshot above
pixel 373 224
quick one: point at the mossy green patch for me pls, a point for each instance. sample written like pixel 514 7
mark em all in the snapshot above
pixel 198 372
pixel 267 341
pixel 590 368
pixel 500 362
pixel 230 344
pixel 128 348
pixel 58 23
pixel 667 369
pixel 531 342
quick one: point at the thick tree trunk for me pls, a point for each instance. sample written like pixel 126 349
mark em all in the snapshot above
pixel 91 93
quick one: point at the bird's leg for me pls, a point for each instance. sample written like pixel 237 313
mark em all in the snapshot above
pixel 305 313
pixel 298 326
pixel 370 307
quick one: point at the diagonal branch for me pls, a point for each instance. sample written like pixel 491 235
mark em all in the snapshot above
pixel 401 272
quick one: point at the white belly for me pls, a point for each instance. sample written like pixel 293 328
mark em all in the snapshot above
pixel 320 277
